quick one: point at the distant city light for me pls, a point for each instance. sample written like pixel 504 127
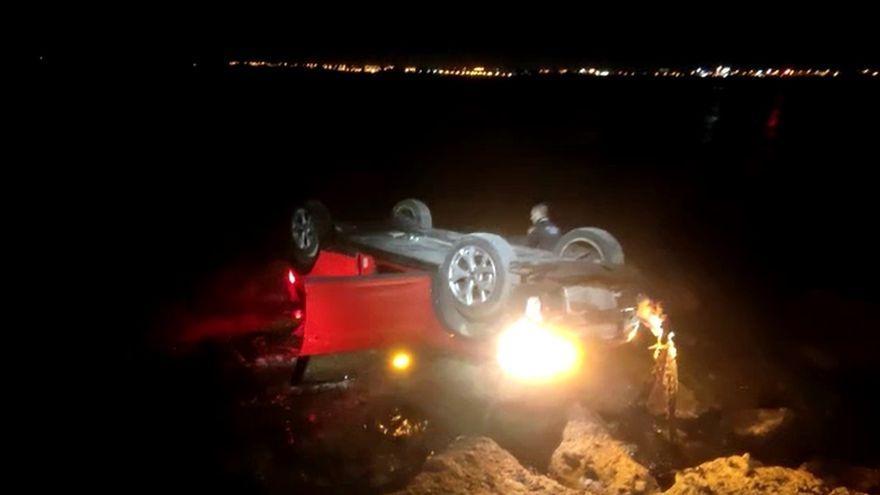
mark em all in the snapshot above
pixel 480 71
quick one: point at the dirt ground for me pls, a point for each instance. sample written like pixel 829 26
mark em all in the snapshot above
pixel 453 426
pixel 590 461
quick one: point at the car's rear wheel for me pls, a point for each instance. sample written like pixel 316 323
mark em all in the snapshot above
pixel 411 214
pixel 311 227
pixel 590 244
pixel 473 285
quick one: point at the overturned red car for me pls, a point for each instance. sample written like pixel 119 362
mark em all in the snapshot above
pixel 402 283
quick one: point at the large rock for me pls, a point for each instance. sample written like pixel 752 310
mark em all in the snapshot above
pixel 477 465
pixel 759 422
pixel 740 475
pixel 589 459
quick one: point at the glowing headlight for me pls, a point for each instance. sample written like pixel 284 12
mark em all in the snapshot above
pixel 400 361
pixel 531 352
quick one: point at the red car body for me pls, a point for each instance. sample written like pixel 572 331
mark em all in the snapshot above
pixel 354 302
pixel 346 303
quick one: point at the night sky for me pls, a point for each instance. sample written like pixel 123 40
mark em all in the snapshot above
pixel 449 34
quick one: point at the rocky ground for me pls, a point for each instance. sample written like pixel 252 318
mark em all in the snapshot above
pixel 479 465
pixel 454 427
pixel 589 458
pixel 590 461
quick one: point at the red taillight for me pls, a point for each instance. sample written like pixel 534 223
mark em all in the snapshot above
pixel 294 285
pixel 296 293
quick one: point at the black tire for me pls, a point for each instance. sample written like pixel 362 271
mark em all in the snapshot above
pixel 480 259
pixel 454 321
pixel 590 243
pixel 311 229
pixel 323 219
pixel 411 214
pixel 445 309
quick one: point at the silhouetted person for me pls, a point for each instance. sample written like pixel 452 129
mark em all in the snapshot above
pixel 543 233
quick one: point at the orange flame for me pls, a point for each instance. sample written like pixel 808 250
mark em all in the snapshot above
pixel 669 345
pixel 651 314
pixel 665 387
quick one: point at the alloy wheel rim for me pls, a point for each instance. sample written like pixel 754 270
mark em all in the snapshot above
pixel 472 275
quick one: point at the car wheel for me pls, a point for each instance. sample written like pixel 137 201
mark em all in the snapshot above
pixel 454 321
pixel 311 227
pixel 475 279
pixel 411 214
pixel 590 244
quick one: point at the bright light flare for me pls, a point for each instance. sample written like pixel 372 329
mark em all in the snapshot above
pixel 530 352
pixel 291 277
pixel 401 361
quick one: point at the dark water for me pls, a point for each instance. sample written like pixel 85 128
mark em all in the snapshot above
pixel 749 205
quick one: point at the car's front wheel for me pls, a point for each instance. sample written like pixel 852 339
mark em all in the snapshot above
pixel 473 285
